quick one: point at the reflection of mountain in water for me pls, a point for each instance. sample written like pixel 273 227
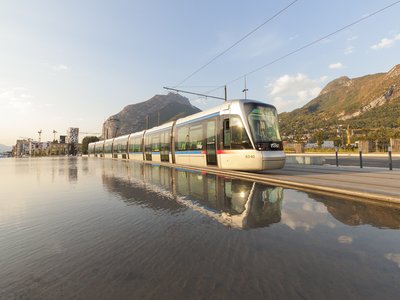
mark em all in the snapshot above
pixel 138 193
pixel 233 202
pixel 356 213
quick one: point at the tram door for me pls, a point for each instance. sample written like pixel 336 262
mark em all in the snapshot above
pixel 148 148
pixel 211 143
pixel 165 146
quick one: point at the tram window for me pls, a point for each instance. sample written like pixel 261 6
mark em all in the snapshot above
pixel 107 147
pixel 164 144
pixel 147 144
pixel 123 145
pixel 155 142
pixel 132 145
pixel 239 137
pixel 116 148
pixel 99 148
pixel 227 135
pixel 196 137
pixel 235 135
pixel 263 121
pixel 182 139
pixel 137 144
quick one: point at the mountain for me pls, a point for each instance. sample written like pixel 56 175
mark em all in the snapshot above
pixel 132 118
pixel 367 102
pixel 4 148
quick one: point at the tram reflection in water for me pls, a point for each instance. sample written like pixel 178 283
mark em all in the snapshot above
pixel 232 202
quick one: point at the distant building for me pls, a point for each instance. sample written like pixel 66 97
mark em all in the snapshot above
pixel 58 149
pixel 73 140
pixel 22 148
pixel 63 139
pixel 39 148
pixel 328 144
pixel 73 135
pixel 68 145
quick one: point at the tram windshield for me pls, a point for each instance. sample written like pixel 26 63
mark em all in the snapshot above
pixel 263 121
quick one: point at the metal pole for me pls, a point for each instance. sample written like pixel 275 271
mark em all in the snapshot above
pixel 361 163
pixel 245 88
pixel 226 94
pixel 390 158
pixel 191 93
pixel 337 157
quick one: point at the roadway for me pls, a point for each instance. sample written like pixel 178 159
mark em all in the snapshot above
pixel 368 161
pixel 353 159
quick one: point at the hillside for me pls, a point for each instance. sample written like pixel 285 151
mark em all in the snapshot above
pixel 367 102
pixel 132 118
pixel 4 148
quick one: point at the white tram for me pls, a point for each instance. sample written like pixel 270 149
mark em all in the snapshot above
pixel 237 135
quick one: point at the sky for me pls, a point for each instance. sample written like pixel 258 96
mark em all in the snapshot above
pixel 75 63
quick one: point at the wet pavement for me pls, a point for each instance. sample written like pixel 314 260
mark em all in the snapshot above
pixel 85 228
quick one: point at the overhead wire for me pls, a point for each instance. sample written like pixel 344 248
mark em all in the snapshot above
pixel 234 44
pixel 305 46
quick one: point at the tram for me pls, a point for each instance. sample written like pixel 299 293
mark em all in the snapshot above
pixel 237 135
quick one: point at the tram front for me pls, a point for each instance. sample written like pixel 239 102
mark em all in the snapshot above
pixel 264 129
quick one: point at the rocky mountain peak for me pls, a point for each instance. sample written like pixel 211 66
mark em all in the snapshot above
pixel 394 72
pixel 336 84
pixel 157 110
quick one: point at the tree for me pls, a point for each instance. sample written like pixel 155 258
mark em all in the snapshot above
pixel 320 136
pixel 85 142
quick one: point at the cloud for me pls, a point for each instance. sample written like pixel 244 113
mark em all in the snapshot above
pixel 394 257
pixel 345 239
pixel 386 42
pixel 17 99
pixel 352 38
pixel 336 66
pixel 291 91
pixel 349 50
pixel 199 101
pixel 60 67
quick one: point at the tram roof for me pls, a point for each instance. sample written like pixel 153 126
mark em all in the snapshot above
pixel 224 106
pixel 122 137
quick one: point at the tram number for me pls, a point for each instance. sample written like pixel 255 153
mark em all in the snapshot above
pixel 250 156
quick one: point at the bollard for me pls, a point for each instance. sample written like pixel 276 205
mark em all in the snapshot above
pixel 361 164
pixel 337 157
pixel 390 158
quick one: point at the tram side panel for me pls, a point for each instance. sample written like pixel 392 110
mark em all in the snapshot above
pixel 120 147
pixel 189 144
pixel 91 149
pixel 135 148
pixel 99 149
pixel 108 148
